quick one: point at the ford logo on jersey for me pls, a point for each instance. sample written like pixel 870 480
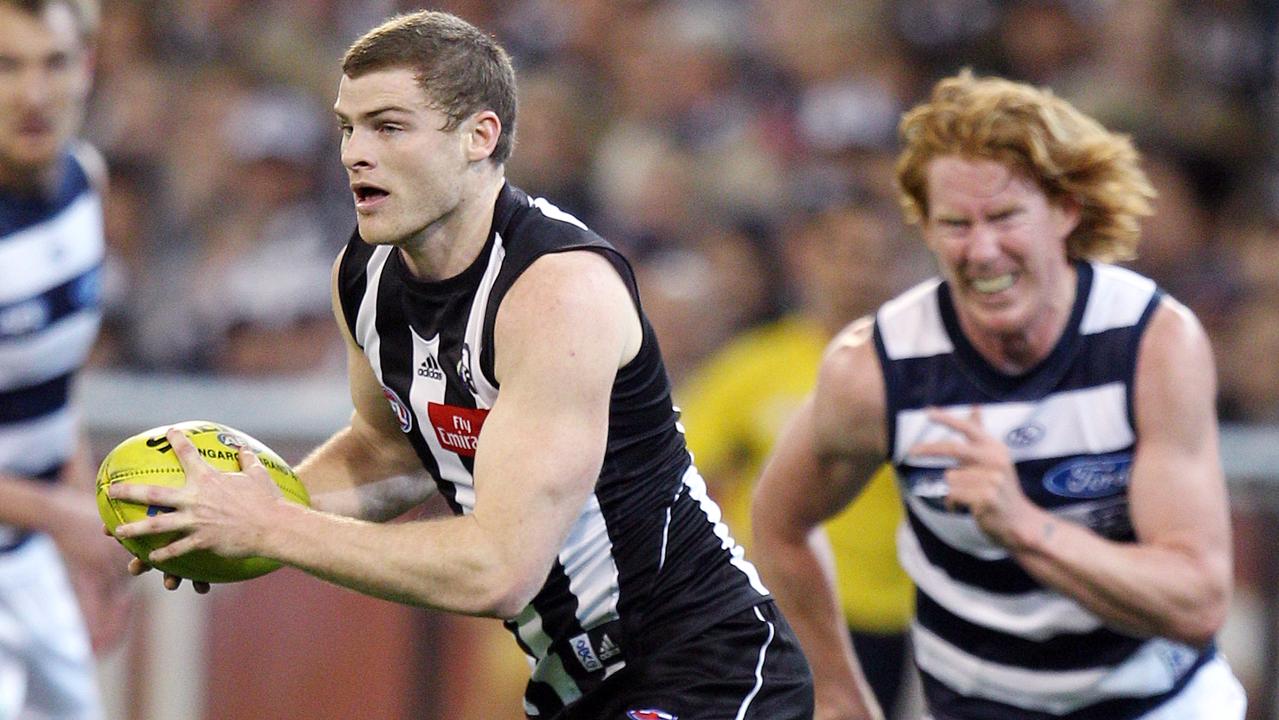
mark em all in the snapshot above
pixel 1089 477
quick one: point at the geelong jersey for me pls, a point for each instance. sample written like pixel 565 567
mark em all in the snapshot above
pixel 648 557
pixel 989 640
pixel 51 251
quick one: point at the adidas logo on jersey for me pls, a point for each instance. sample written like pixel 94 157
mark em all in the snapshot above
pixel 430 368
pixel 607 648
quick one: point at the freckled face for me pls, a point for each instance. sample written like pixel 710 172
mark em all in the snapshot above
pixel 1000 244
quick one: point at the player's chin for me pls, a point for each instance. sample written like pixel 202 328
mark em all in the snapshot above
pixel 1002 314
pixel 31 157
pixel 375 231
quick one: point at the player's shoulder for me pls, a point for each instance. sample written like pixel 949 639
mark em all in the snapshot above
pixel 850 366
pixel 567 278
pixel 848 402
pixel 1174 332
pixel 537 223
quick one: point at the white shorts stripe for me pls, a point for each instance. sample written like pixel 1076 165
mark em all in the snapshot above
pixel 759 666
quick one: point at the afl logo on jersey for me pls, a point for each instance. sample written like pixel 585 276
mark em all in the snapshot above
pixel 1089 477
pixel 1025 435
pixel 401 410
pixel 650 714
pixel 464 368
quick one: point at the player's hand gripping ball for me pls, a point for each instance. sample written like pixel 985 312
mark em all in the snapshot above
pixel 148 459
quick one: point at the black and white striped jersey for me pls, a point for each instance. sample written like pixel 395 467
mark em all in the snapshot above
pixel 989 640
pixel 51 252
pixel 648 557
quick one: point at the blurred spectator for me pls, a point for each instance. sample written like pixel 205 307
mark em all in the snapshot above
pixel 254 319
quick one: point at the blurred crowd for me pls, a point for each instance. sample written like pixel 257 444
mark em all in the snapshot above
pixel 701 136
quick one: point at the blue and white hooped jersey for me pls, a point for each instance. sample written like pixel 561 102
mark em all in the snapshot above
pixel 51 252
pixel 989 640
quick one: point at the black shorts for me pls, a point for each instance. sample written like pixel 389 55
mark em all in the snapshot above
pixel 746 667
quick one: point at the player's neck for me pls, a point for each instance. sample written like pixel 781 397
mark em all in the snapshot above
pixel 452 243
pixel 1017 351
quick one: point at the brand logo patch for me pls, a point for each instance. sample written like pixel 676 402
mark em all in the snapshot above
pixel 650 714
pixel 608 648
pixel 399 408
pixel 457 428
pixel 1026 435
pixel 430 368
pixel 1089 477
pixel 230 440
pixel 585 653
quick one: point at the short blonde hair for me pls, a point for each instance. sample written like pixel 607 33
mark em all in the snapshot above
pixel 1071 156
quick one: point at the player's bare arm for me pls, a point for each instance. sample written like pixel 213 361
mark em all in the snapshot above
pixel 823 459
pixel 570 318
pixel 367 470
pixel 1175 580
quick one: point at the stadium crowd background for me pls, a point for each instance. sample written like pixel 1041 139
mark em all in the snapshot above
pixel 694 134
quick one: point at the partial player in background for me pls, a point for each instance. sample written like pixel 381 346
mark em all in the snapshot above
pixel 497 352
pixel 51 251
pixel 839 259
pixel 1051 418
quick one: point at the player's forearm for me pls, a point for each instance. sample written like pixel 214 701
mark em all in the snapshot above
pixel 449 564
pixel 799 571
pixel 1140 588
pixel 348 475
pixel 24 502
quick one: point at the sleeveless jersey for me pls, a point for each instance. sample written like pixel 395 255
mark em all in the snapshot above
pixel 51 252
pixel 648 557
pixel 990 641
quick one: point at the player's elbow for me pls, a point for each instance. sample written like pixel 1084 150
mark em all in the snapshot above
pixel 508 597
pixel 502 590
pixel 1202 615
pixel 773 523
pixel 1198 626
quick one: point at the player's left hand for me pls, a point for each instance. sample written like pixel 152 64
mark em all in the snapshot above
pixel 984 480
pixel 222 512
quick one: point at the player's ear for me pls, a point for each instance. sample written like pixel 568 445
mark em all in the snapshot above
pixel 1068 213
pixel 484 129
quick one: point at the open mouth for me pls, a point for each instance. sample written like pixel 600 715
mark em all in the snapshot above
pixel 368 195
pixel 35 126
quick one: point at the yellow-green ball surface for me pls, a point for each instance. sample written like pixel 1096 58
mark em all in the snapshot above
pixel 148 459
